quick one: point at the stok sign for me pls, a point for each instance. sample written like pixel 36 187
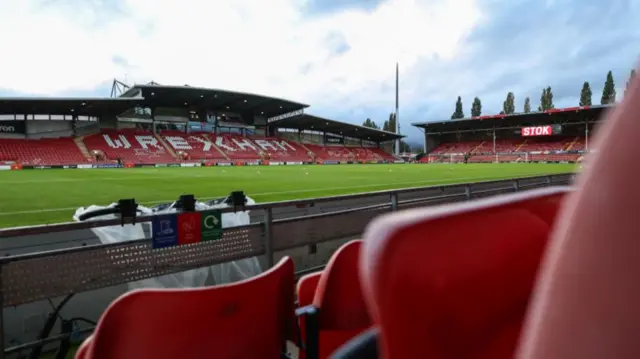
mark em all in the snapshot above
pixel 537 131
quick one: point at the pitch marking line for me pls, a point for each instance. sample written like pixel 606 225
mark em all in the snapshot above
pixel 328 189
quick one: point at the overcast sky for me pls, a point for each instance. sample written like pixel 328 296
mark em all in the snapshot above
pixel 337 55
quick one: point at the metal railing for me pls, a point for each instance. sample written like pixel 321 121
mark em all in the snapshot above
pixel 32 277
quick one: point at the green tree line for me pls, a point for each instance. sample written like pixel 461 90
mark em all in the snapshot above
pixel 546 99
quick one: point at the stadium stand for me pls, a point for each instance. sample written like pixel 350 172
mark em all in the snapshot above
pixel 509 150
pixel 143 147
pixel 49 151
pixel 558 135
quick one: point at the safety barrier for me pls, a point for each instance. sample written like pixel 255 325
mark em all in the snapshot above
pixel 31 277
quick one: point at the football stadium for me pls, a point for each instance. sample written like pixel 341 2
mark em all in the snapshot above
pixel 239 195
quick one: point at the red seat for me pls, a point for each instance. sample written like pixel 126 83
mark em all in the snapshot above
pixel 455 281
pixel 338 311
pixel 248 319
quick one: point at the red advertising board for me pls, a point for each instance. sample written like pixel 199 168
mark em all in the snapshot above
pixel 537 131
pixel 189 228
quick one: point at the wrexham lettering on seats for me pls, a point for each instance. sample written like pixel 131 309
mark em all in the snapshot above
pixel 121 141
pixel 181 143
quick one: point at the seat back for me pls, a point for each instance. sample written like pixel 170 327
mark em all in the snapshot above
pixel 455 281
pixel 586 301
pixel 343 312
pixel 249 319
pixel 306 288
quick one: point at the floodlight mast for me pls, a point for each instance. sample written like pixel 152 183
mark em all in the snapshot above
pixel 397 114
pixel 118 88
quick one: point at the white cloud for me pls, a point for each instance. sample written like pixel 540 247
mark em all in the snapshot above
pixel 248 45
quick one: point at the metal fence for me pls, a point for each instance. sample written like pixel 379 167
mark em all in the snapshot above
pixel 278 226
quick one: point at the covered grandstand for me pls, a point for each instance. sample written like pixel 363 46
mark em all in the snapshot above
pixel 178 125
pixel 556 135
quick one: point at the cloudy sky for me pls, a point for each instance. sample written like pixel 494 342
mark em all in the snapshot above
pixel 337 55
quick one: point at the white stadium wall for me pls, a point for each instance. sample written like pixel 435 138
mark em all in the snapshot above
pixel 49 129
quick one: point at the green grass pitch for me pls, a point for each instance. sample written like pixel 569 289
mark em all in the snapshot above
pixel 50 196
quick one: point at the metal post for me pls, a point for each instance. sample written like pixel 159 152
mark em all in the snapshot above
pixel 516 186
pixel 586 136
pixel 268 237
pixel 467 191
pixel 494 144
pixel 1 316
pixel 426 144
pixel 394 201
pixel 397 113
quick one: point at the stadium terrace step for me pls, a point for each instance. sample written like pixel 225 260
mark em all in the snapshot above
pixel 477 147
pixel 520 146
pixel 570 146
pixel 216 147
pixel 83 148
pixel 166 145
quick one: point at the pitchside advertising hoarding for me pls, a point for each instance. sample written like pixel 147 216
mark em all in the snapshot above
pixel 12 127
pixel 547 130
pixel 186 228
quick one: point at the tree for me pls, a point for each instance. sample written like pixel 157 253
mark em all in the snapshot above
pixel 404 147
pixel 370 124
pixel 527 105
pixel 585 94
pixel 459 113
pixel 546 100
pixel 631 76
pixel 476 107
pixel 508 106
pixel 392 123
pixel 609 91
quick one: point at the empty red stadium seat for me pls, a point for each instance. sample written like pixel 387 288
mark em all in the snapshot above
pixel 349 154
pixel 536 149
pixel 46 151
pixel 279 149
pixel 338 312
pixel 248 319
pixel 455 281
